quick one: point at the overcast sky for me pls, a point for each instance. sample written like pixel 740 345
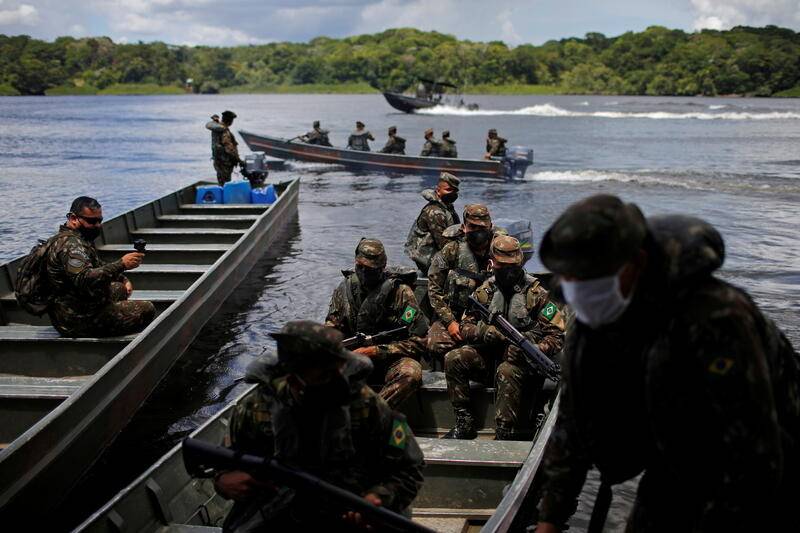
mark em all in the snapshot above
pixel 235 22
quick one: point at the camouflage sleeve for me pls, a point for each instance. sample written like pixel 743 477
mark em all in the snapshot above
pixel 436 222
pixel 406 312
pixel 437 281
pixel 548 331
pixel 400 472
pixel 565 465
pixel 336 317
pixel 229 145
pixel 251 426
pixel 350 141
pixel 91 282
pixel 472 327
pixel 716 352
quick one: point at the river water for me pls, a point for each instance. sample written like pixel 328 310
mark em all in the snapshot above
pixel 735 162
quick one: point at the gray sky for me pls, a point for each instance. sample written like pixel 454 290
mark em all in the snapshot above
pixel 236 22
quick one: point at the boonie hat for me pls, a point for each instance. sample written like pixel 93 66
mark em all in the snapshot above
pixel 303 343
pixel 478 215
pixel 371 253
pixel 359 124
pixel 446 133
pixel 228 114
pixel 316 124
pixel 429 131
pixel 506 250
pixel 450 179
pixel 593 237
pixel 492 131
pixel 392 129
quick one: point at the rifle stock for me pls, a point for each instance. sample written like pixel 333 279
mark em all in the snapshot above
pixel 202 459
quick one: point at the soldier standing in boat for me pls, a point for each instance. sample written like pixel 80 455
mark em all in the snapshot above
pixel 669 371
pixel 431 146
pixel 448 146
pixel 90 296
pixel 426 235
pixel 527 305
pixel 394 144
pixel 313 410
pixel 224 148
pixel 495 145
pixel 359 139
pixel 317 136
pixel 372 299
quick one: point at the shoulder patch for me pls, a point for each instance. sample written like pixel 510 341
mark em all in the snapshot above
pixel 76 262
pixel 408 314
pixel 549 311
pixel 399 435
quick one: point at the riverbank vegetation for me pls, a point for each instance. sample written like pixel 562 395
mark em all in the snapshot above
pixel 657 61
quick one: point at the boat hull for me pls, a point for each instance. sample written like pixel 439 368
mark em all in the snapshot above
pixel 407 104
pixel 39 467
pixel 373 161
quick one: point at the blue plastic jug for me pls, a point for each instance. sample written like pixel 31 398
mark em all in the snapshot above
pixel 264 195
pixel 208 194
pixel 236 192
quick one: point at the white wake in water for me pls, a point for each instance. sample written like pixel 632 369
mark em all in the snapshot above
pixel 550 110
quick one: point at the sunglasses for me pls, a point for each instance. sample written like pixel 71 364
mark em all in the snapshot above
pixel 91 220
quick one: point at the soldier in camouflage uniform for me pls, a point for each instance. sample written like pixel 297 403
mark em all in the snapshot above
pixel 316 136
pixel 313 410
pixel 448 146
pixel 359 139
pixel 224 148
pixel 495 145
pixel 89 296
pixel 668 371
pixel 455 272
pixel 372 299
pixel 520 298
pixel 431 146
pixel 394 144
pixel 425 237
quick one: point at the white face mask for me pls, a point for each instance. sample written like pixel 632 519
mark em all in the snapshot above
pixel 596 302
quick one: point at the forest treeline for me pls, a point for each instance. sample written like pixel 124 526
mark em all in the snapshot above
pixel 657 61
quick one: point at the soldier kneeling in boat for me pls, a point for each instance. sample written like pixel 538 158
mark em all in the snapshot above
pixel 448 146
pixel 431 146
pixel 359 139
pixel 373 299
pixel 395 144
pixel 317 136
pixel 527 306
pixel 495 145
pixel 90 296
pixel 313 410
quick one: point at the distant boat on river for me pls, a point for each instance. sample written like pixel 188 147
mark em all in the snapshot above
pixel 429 94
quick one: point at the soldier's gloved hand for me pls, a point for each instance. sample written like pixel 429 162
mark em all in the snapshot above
pixel 469 332
pixel 454 330
pixel 492 335
pixel 132 260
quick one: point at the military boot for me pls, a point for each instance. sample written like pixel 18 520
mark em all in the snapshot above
pixel 465 426
pixel 503 433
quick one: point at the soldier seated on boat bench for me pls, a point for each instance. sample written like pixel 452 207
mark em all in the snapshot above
pixel 313 410
pixel 527 306
pixel 89 297
pixel 317 136
pixel 359 139
pixel 373 299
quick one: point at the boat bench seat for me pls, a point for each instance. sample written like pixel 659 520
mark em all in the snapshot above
pixel 212 208
pixel 125 248
pixel 170 235
pixel 510 453
pixel 206 218
pixel 37 388
pixel 198 253
pixel 144 232
pixel 26 332
pixel 186 528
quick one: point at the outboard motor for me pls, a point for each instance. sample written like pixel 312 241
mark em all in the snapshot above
pixel 517 160
pixel 521 230
pixel 255 169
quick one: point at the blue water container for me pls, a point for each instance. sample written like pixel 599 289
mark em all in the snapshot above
pixel 208 194
pixel 264 195
pixel 236 192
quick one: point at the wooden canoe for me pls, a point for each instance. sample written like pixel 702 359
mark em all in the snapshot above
pixel 62 401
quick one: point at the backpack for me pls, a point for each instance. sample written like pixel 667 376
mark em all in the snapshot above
pixel 31 288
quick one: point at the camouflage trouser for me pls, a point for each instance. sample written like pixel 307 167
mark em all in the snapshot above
pixel 120 317
pixel 477 363
pixel 402 379
pixel 224 171
pixel 439 341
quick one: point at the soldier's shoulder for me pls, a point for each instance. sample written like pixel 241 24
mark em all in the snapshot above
pixel 450 250
pixel 714 301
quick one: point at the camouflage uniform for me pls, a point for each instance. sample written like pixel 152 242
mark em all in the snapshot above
pixel 431 146
pixel 394 144
pixel 226 155
pixel 495 145
pixel 316 136
pixel 89 296
pixel 691 384
pixel 425 237
pixel 216 128
pixel 359 139
pixel 390 305
pixel 448 146
pixel 358 443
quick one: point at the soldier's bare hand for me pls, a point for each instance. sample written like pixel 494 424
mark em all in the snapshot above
pixel 132 260
pixel 546 527
pixel 454 330
pixel 237 485
pixel 493 335
pixel 367 351
pixel 356 518
pixel 129 287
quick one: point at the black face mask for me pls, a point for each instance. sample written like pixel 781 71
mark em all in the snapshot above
pixel 507 277
pixel 449 198
pixel 369 277
pixel 478 238
pixel 334 392
pixel 89 234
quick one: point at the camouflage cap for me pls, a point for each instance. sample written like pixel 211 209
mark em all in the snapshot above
pixel 315 124
pixel 303 343
pixel 506 250
pixel 392 129
pixel 228 114
pixel 359 124
pixel 446 134
pixel 449 179
pixel 428 132
pixel 371 253
pixel 492 131
pixel 478 215
pixel 593 237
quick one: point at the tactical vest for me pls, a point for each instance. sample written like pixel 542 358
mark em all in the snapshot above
pixel 518 309
pixel 358 141
pixel 370 314
pixel 463 280
pixel 420 245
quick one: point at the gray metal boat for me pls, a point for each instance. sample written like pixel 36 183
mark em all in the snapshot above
pixel 63 400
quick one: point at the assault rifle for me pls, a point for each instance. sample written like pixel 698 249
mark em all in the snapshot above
pixel 202 459
pixel 362 339
pixel 533 355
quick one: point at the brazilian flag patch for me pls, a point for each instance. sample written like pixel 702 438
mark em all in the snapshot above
pixel 408 314
pixel 399 436
pixel 549 310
